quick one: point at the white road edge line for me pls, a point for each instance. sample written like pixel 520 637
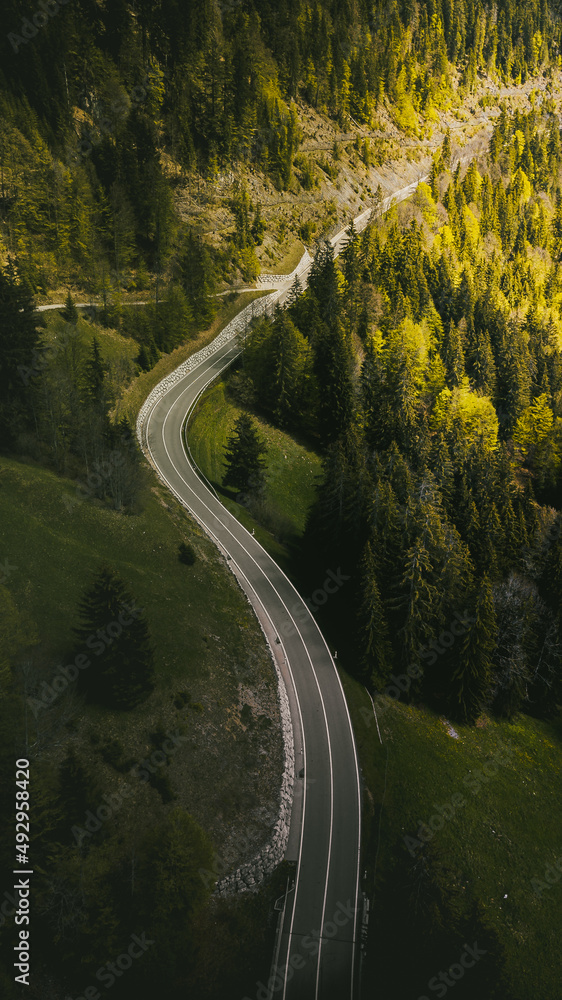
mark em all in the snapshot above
pixel 251 557
pixel 359 798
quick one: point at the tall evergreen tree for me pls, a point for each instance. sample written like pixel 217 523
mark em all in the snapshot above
pixel 197 274
pixel 94 378
pixel 70 312
pixel 453 355
pixel 333 365
pixel 471 681
pixel 121 671
pixel 244 454
pixel 324 283
pixel 374 644
pixel 18 351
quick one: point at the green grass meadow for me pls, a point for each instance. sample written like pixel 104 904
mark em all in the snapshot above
pixel 292 471
pixel 497 789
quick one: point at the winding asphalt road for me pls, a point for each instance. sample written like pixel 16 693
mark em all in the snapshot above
pixel 317 954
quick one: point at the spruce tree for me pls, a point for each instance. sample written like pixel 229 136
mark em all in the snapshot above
pixel 143 359
pixel 386 524
pixel 471 680
pixel 375 648
pixel 70 312
pixel 420 601
pixel 18 350
pixel 197 274
pixel 446 150
pixel 295 292
pixel 333 365
pixel 245 456
pixel 323 282
pixel 481 366
pixel 121 670
pixel 94 377
pixel 453 355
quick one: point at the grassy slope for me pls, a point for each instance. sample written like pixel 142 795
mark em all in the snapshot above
pixel 135 394
pixel 293 250
pixel 207 640
pixel 114 348
pixel 292 472
pixel 505 834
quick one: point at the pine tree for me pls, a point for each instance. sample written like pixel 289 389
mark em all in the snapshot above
pixel 446 150
pixel 258 226
pixel 510 534
pixel 471 681
pixel 375 648
pixel 481 366
pixel 419 600
pixel 94 378
pixel 121 671
pixel 491 544
pixel 70 312
pixel 18 350
pixel 197 274
pixel 323 282
pixel 276 358
pixel 442 464
pixel 143 359
pixel 453 355
pixel 245 456
pixel 352 269
pixel 384 519
pixel 333 366
pixel 295 292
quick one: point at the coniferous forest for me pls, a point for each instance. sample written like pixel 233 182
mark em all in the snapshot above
pixel 428 363
pixel 423 365
pixel 99 102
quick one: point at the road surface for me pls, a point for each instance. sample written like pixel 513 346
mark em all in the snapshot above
pixel 316 954
pixel 317 940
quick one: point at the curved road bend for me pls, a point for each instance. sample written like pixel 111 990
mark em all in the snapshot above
pixel 316 954
pixel 320 923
